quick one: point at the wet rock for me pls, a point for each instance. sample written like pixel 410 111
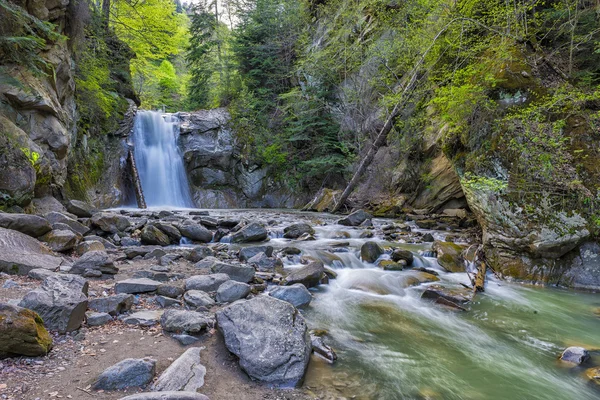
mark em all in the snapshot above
pixel 247 253
pixel 428 238
pixel 278 350
pixel 320 348
pixel 128 373
pixel 197 298
pixel 457 296
pixel 136 285
pixel 60 241
pixel 22 333
pixel 92 245
pixel 166 396
pixel 401 254
pixel 296 230
pixel 449 256
pixel 253 232
pixel 184 374
pixel 98 318
pixel 169 290
pixel 171 231
pixel 31 225
pixel 200 253
pixel 575 355
pixel 593 374
pixel 367 235
pixel 74 225
pixel 196 232
pixel 206 283
pixel 113 305
pixel 263 263
pixel 426 223
pixel 20 253
pixel 355 219
pixel 110 223
pixel 231 291
pixel 240 273
pixel 389 265
pixel 290 251
pixel 370 252
pixel 61 302
pixel 153 236
pixel 183 321
pixel 80 209
pixel 186 340
pixel 143 318
pixel 94 260
pixel 297 294
pixel 309 275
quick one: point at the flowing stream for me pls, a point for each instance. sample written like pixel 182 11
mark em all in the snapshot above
pixel 392 344
pixel 159 160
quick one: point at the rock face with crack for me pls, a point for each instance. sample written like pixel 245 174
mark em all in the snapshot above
pixel 270 338
pixel 185 374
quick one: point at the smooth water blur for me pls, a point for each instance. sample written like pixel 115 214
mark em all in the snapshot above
pixel 159 161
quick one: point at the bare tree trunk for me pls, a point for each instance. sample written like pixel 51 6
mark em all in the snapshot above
pixel 106 13
pixel 139 194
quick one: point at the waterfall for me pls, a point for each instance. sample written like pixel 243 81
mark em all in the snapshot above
pixel 159 160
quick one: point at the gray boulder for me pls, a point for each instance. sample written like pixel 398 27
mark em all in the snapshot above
pixel 60 241
pixel 253 232
pixel 184 374
pixel 152 235
pixel 94 260
pixel 58 218
pixel 247 253
pixel 169 290
pixel 262 263
pixel 355 219
pixel 183 321
pixel 296 230
pixel 20 253
pixel 136 285
pixel 87 246
pixel 240 273
pixel 61 302
pixel 98 318
pixel 110 223
pixel 166 396
pixel 309 275
pixel 199 253
pixel 401 254
pixel 113 305
pixel 575 355
pixel 196 232
pixel 206 283
pixel 197 298
pixel 296 294
pixel 32 225
pixel 278 350
pixel 166 302
pixel 128 373
pixel 143 318
pixel 39 274
pixel 185 340
pixel 80 209
pixel 370 252
pixel 171 231
pixel 231 291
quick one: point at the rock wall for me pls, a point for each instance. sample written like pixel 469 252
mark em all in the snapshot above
pixel 218 177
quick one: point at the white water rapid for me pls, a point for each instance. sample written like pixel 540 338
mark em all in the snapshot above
pixel 159 160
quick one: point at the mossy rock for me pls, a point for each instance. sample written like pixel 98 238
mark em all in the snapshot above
pixel 593 374
pixel 449 256
pixel 22 332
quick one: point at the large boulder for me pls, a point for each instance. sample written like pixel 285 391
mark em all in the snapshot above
pixel 32 225
pixel 22 333
pixel 196 232
pixel 253 232
pixel 110 223
pixel 401 254
pixel 136 285
pixel 356 218
pixel 20 253
pixel 57 218
pixel 449 256
pixel 296 294
pixel 113 305
pixel 183 321
pixel 171 231
pixel 575 355
pixel 61 302
pixel 154 236
pixel 199 253
pixel 80 209
pixel 94 261
pixel 231 291
pixel 296 230
pixel 166 396
pixel 60 240
pixel 263 263
pixel 184 374
pixel 197 298
pixel 309 275
pixel 247 253
pixel 370 252
pixel 143 318
pixel 270 338
pixel 240 273
pixel 128 373
pixel 206 283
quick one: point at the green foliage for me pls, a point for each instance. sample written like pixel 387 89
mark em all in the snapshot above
pixel 483 183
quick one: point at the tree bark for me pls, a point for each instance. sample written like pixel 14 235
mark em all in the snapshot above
pixel 137 184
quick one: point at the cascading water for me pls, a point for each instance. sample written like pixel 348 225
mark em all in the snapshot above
pixel 159 160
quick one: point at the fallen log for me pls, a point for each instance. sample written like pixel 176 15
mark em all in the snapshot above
pixel 137 184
